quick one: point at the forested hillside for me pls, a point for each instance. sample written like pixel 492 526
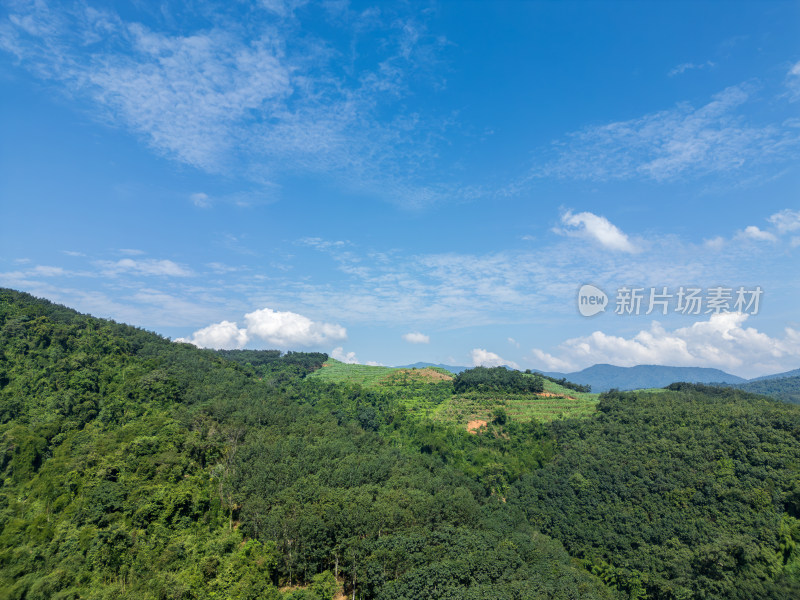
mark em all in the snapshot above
pixel 782 388
pixel 693 493
pixel 134 467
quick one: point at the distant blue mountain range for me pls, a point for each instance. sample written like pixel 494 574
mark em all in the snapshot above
pixel 605 377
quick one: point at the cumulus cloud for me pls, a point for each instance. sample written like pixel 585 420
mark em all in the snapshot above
pixel 598 229
pixel 222 336
pixel 754 233
pixel 345 357
pixel 484 358
pixel 287 329
pixel 715 243
pixel 280 329
pixel 721 342
pixel 550 362
pixel 416 337
pixel 200 200
pixel 786 220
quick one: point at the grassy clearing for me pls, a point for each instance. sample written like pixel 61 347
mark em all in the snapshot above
pixel 553 388
pixel 463 408
pixel 425 393
pixel 334 370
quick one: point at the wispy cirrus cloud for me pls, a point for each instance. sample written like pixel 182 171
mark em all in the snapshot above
pixel 147 266
pixel 683 141
pixel 224 99
pixel 683 67
pixel 793 81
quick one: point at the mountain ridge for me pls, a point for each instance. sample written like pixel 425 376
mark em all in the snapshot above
pixel 603 376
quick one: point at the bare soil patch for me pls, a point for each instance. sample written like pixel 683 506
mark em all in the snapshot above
pixel 474 426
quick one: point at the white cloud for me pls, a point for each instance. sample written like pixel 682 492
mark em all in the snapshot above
pixel 673 144
pixel 793 81
pixel 46 271
pixel 221 268
pixel 483 358
pixel 222 336
pixel 200 200
pixel 682 68
pixel 148 266
pixel 281 329
pixel 752 232
pixel 786 220
pixel 131 251
pixel 416 337
pixel 345 357
pixel 550 362
pixel 721 342
pixel 598 229
pixel 715 243
pixel 287 329
pixel 513 342
pixel 226 101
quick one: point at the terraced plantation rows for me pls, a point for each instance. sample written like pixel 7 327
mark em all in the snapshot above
pixel 424 392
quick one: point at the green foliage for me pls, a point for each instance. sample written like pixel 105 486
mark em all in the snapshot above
pixel 782 388
pixel 690 493
pixel 576 387
pixel 496 379
pixel 339 372
pixel 134 467
pixel 268 363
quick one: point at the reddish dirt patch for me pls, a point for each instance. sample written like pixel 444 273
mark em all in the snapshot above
pixel 474 426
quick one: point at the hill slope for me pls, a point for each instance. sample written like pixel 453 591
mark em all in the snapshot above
pixel 136 468
pixel 693 493
pixel 782 388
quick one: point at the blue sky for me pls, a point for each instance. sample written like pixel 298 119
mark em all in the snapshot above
pixel 400 182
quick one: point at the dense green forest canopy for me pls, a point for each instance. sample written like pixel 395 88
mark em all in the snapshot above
pixel 497 379
pixel 782 388
pixel 135 467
